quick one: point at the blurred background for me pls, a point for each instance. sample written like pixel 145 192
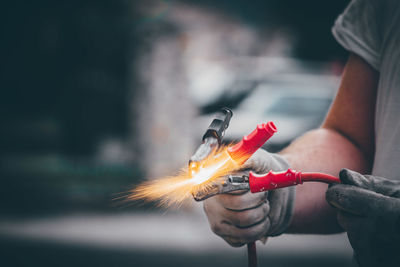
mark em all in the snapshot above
pixel 97 96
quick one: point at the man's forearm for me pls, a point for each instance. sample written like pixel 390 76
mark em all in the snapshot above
pixel 327 151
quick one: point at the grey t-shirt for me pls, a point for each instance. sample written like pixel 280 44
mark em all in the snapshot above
pixel 371 29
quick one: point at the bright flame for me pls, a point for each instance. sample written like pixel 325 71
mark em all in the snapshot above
pixel 201 177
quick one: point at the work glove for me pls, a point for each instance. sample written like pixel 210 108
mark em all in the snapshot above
pixel 369 210
pixel 242 217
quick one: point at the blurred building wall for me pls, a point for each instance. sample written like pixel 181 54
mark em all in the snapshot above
pixel 164 110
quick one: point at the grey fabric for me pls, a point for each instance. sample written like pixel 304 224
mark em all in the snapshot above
pixel 357 30
pixel 371 29
pixel 369 210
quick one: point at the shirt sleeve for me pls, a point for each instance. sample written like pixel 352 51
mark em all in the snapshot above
pixel 357 30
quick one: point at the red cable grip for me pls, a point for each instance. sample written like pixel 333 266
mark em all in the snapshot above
pixel 275 180
pixel 243 150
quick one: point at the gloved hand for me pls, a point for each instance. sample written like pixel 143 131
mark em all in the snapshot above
pixel 242 217
pixel 369 210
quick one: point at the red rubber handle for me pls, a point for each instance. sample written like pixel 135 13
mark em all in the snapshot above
pixel 273 180
pixel 243 150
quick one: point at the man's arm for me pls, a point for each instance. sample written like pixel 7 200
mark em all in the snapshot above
pixel 345 140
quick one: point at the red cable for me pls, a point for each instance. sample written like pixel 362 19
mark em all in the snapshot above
pixel 318 177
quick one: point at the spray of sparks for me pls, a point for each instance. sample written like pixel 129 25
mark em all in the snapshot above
pixel 174 190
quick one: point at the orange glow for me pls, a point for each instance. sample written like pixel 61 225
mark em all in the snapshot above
pixel 200 177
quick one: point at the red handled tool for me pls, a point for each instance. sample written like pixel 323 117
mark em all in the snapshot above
pixel 240 153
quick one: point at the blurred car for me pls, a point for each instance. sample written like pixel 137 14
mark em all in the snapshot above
pixel 296 103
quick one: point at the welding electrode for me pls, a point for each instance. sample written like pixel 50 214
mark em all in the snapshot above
pixel 212 138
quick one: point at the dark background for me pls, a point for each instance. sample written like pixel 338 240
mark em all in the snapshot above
pixel 66 72
pixel 68 80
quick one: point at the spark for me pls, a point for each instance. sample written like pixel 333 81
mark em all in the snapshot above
pixel 205 174
pixel 174 190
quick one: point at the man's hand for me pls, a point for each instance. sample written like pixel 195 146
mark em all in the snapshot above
pixel 369 210
pixel 243 217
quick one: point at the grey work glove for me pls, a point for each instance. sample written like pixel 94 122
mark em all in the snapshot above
pixel 369 210
pixel 243 217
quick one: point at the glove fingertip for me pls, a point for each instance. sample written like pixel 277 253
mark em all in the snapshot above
pixel 352 199
pixel 345 176
pixel 352 178
pixel 339 196
pixel 332 195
